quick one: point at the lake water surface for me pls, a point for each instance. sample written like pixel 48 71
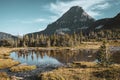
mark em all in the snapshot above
pixel 53 57
pixel 59 57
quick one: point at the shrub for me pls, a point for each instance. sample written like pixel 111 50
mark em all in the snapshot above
pixel 109 74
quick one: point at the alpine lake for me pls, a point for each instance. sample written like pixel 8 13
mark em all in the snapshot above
pixel 57 57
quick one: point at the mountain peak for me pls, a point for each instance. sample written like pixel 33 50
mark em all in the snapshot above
pixel 72 21
pixel 76 8
pixel 75 13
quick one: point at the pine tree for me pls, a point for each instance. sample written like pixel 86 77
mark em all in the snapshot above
pixel 37 41
pixel 25 40
pixel 81 36
pixel 48 42
pixel 103 57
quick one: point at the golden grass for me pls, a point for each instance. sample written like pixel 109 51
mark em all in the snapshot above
pixel 108 74
pixel 5 60
pixel 4 76
pixel 90 72
pixel 84 64
pixel 114 43
pixel 5 51
pixel 1 56
pixel 6 63
pixel 81 74
pixel 67 74
pixel 22 68
pixel 115 66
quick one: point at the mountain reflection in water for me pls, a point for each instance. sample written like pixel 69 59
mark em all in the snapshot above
pixel 54 57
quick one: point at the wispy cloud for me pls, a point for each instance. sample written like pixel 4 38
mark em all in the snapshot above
pixel 92 7
pixel 38 20
pixel 101 6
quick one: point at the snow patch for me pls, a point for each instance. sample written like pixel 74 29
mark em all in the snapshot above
pixel 84 14
pixel 62 30
pixel 99 27
pixel 84 27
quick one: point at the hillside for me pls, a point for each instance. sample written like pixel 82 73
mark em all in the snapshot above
pixel 6 36
pixel 107 23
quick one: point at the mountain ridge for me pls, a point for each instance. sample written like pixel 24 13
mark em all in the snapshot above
pixel 106 23
pixel 6 36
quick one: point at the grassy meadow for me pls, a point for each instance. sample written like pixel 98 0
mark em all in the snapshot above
pixel 73 71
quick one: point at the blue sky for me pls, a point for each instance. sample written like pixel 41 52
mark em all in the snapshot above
pixel 26 16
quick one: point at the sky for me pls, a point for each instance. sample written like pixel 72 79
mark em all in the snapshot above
pixel 19 17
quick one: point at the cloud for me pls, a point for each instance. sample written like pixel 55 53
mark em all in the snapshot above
pixel 117 3
pixel 101 6
pixel 53 18
pixel 38 20
pixel 92 7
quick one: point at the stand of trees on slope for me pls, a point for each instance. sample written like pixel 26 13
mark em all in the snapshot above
pixel 61 40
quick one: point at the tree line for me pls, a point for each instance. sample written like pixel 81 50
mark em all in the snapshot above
pixel 66 40
pixel 49 41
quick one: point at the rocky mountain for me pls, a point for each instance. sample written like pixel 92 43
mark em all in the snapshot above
pixel 6 36
pixel 72 21
pixel 107 23
pixel 76 19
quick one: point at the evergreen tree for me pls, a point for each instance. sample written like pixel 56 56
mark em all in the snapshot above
pixel 81 35
pixel 103 57
pixel 48 42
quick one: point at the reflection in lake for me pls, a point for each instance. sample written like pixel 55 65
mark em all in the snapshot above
pixel 54 57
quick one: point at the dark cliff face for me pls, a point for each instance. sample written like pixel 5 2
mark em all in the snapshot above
pixel 114 23
pixel 107 23
pixel 72 21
